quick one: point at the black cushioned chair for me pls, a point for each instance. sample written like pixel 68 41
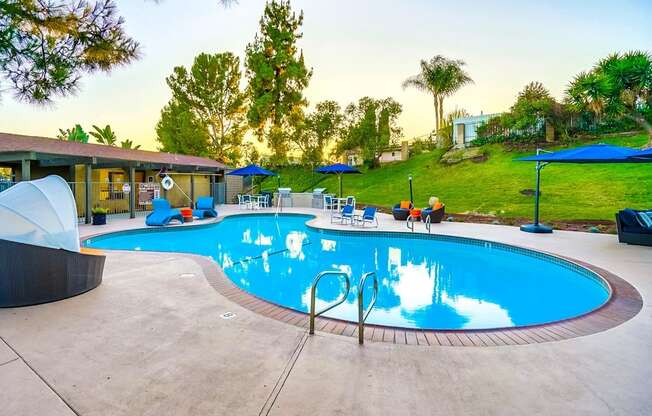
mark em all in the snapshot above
pixel 436 215
pixel 401 214
pixel 630 229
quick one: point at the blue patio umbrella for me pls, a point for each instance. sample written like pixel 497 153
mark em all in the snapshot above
pixel 595 153
pixel 642 156
pixel 251 170
pixel 338 169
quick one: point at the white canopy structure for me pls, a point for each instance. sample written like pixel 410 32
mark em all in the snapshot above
pixel 42 212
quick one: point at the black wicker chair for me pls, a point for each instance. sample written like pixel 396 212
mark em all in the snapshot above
pixel 436 215
pixel 31 274
pixel 401 214
pixel 630 230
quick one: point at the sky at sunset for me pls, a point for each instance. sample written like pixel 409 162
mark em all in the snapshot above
pixel 356 48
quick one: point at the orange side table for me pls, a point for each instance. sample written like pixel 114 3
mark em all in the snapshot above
pixel 186 213
pixel 415 213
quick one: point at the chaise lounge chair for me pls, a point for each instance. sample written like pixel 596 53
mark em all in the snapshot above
pixel 204 208
pixel 368 216
pixel 162 213
pixel 346 214
pixel 634 227
pixel 402 210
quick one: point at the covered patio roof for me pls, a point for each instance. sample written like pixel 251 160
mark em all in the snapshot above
pixel 54 152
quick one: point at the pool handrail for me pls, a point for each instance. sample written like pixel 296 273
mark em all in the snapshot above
pixel 313 293
pixel 362 313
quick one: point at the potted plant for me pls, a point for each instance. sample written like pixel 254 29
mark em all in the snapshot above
pixel 99 215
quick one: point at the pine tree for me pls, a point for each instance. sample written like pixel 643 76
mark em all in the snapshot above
pixel 277 77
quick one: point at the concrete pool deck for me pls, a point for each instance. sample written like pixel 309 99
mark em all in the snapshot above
pixel 151 340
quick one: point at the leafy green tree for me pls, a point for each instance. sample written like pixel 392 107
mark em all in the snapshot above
pixel 533 106
pixel 441 77
pixel 250 154
pixel 317 131
pixel 104 135
pixel 370 125
pixel 210 91
pixel 277 77
pixel 180 131
pixel 46 46
pixel 76 134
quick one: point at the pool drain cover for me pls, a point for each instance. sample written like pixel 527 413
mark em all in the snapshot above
pixel 228 315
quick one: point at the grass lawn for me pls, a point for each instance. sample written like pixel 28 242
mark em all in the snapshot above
pixel 568 192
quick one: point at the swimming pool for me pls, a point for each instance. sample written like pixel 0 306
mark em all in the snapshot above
pixel 425 281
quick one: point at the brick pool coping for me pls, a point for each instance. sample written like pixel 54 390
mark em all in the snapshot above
pixel 624 303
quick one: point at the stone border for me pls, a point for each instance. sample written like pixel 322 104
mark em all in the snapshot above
pixel 623 304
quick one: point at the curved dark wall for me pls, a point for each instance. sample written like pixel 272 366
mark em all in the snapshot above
pixel 32 274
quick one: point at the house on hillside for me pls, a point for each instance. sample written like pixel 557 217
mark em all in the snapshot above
pixel 395 153
pixel 120 180
pixel 464 128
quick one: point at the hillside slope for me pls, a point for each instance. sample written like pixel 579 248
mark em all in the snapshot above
pixel 569 192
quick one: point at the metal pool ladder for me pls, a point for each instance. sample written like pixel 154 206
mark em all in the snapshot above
pixel 313 293
pixel 362 313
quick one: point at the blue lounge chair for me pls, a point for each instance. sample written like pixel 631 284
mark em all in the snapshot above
pixel 162 213
pixel 204 208
pixel 346 214
pixel 368 216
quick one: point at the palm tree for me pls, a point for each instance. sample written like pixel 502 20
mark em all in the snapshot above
pixel 105 135
pixel 441 77
pixel 128 144
pixel 589 91
pixel 445 132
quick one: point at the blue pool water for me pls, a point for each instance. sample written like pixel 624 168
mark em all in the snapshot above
pixel 423 282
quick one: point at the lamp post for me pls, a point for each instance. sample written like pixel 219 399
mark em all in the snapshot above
pixel 411 195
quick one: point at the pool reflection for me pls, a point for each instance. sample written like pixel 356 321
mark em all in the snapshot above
pixel 422 283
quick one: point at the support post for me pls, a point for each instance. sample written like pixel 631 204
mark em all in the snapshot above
pixel 536 227
pixel 211 182
pixel 192 191
pixel 132 194
pixel 71 179
pixel 88 178
pixel 26 170
pixel 339 175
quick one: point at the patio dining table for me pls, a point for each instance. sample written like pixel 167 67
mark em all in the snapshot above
pixel 256 200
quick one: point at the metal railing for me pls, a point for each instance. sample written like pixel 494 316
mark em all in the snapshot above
pixel 410 222
pixel 362 313
pixel 313 293
pixel 428 223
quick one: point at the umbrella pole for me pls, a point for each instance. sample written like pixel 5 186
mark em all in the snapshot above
pixel 536 227
pixel 537 195
pixel 340 176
